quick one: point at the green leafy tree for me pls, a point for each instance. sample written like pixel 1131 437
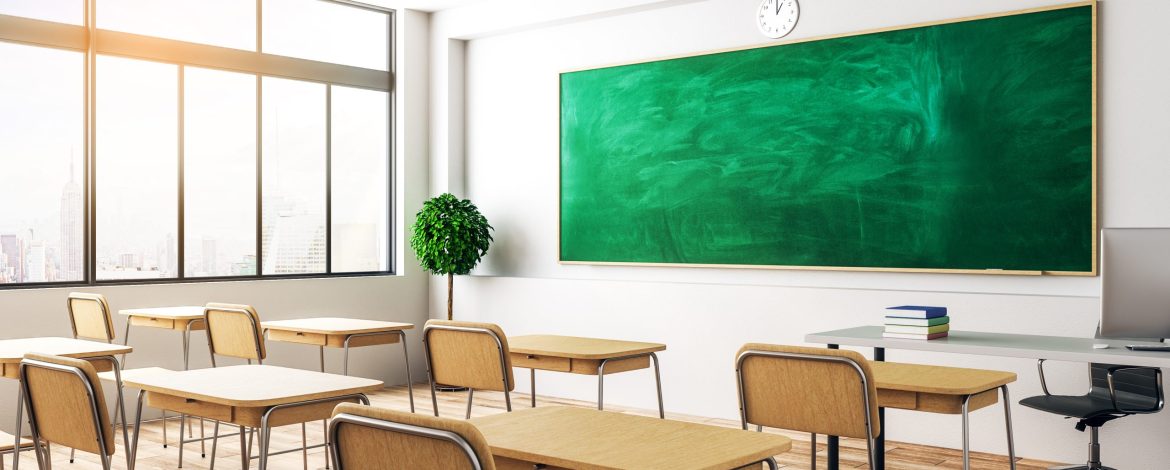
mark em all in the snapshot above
pixel 450 237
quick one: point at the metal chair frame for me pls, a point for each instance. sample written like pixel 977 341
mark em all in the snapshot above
pixel 870 408
pixel 438 434
pixel 470 391
pixel 42 457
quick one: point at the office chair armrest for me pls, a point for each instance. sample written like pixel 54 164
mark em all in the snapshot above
pixel 1043 383
pixel 1113 392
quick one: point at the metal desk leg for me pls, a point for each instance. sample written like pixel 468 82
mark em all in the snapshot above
pixel 966 433
pixel 834 441
pixel 187 366
pixel 406 361
pixel 532 382
pixel 601 381
pixel 19 426
pixel 325 422
pixel 132 451
pixel 658 383
pixel 879 441
pixel 1007 418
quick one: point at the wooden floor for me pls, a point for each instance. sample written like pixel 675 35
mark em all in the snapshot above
pixel 151 454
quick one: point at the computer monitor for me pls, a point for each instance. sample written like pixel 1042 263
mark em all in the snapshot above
pixel 1135 283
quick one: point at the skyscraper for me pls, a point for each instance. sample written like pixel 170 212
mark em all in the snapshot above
pixel 13 251
pixel 36 262
pixel 72 223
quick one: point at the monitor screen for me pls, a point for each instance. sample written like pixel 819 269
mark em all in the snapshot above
pixel 1135 283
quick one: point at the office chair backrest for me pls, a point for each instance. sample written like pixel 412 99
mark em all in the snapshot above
pixel 65 403
pixel 823 391
pixel 1137 388
pixel 234 330
pixel 367 437
pixel 89 315
pixel 468 354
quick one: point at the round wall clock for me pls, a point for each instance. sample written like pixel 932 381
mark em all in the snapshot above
pixel 777 18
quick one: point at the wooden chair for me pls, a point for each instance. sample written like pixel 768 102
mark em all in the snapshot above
pixel 815 390
pixel 367 437
pixel 233 330
pixel 64 401
pixel 89 315
pixel 467 354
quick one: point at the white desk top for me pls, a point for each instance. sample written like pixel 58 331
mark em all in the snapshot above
pixel 251 385
pixel 335 326
pixel 13 350
pixel 170 313
pixel 1057 348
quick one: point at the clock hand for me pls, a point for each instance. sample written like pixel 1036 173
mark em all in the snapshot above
pixel 778 2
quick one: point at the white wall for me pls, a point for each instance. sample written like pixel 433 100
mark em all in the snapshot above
pixel 41 312
pixel 510 159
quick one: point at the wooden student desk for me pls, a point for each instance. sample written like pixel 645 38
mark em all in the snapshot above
pixel 342 333
pixel 587 356
pixel 182 319
pixel 567 437
pixel 256 396
pixel 12 351
pixel 987 344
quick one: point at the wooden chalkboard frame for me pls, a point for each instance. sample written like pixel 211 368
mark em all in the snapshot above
pixel 1094 176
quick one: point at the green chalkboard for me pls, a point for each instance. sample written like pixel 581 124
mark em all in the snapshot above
pixel 964 145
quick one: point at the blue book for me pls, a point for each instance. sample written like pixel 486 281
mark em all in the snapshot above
pixel 915 311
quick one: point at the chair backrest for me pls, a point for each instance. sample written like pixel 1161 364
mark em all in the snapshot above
pixel 65 403
pixel 367 437
pixel 1137 388
pixel 234 330
pixel 468 354
pixel 89 315
pixel 823 391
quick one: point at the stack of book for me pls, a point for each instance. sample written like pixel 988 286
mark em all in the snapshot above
pixel 917 322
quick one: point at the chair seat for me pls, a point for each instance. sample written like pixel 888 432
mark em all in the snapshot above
pixel 1085 406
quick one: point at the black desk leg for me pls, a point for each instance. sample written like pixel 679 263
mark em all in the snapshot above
pixel 834 446
pixel 879 444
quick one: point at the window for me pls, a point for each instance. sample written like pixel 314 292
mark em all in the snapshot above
pixel 137 154
pixel 42 154
pixel 219 173
pixel 207 159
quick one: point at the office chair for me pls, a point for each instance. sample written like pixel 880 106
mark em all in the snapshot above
pixel 1115 391
pixel 368 437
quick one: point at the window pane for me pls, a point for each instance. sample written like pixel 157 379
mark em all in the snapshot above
pixel 294 177
pixel 327 32
pixel 225 23
pixel 361 179
pixel 60 11
pixel 219 163
pixel 42 154
pixel 137 169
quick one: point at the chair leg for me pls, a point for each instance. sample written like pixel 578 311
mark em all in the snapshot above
pixel 470 396
pixel 304 446
pixel 214 444
pixel 182 422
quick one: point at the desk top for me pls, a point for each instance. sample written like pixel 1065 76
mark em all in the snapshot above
pixel 13 350
pixel 7 440
pixel 936 379
pixel 335 326
pixel 251 385
pixel 574 347
pixel 586 438
pixel 1059 348
pixel 170 313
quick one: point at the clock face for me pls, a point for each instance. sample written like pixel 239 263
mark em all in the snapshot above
pixel 777 18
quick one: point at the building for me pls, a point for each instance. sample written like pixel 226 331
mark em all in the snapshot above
pixel 72 242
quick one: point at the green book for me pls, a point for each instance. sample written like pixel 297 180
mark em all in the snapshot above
pixel 943 320
pixel 920 330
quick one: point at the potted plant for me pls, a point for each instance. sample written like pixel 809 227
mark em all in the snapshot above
pixel 450 237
